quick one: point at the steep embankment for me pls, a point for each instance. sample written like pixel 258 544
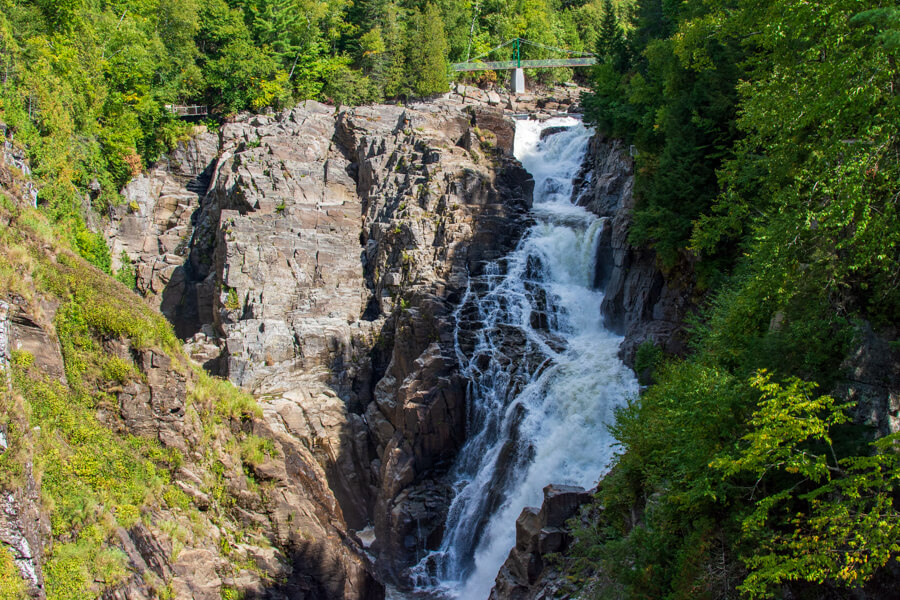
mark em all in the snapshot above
pixel 314 258
pixel 615 528
pixel 129 473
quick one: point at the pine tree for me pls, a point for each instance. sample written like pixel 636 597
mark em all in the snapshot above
pixel 611 45
pixel 278 24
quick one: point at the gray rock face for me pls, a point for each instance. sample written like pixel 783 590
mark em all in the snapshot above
pixel 872 381
pixel 323 260
pixel 640 302
pixel 154 224
pixel 27 335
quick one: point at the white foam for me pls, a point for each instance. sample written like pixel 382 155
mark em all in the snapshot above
pixel 554 407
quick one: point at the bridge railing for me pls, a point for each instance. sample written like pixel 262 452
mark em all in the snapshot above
pixel 195 110
pixel 524 64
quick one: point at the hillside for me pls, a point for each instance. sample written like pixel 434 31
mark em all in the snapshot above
pixel 761 460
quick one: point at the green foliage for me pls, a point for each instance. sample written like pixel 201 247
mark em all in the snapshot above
pixel 127 273
pixel 427 49
pixel 348 86
pixel 85 469
pixel 12 586
pixel 256 450
pixel 76 567
pixel 92 246
pixel 232 302
pixel 225 399
pixel 246 76
pixel 676 102
pixel 647 358
pixel 768 138
pixel 833 518
pixel 611 47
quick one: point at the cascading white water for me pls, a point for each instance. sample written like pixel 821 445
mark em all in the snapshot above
pixel 544 376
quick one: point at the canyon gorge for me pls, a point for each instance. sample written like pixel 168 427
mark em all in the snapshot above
pixel 412 294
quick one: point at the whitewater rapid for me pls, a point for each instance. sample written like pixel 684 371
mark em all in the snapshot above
pixel 544 375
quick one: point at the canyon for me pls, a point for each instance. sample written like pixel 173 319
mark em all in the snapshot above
pixel 318 259
pixel 315 258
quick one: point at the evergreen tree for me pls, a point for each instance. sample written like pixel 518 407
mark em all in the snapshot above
pixel 383 52
pixel 611 45
pixel 427 52
pixel 650 23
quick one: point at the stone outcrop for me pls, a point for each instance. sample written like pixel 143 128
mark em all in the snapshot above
pixel 527 574
pixel 871 380
pixel 640 301
pixel 317 266
pixel 13 155
pixel 153 226
pixel 540 104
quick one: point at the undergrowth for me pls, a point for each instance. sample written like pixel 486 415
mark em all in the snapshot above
pixel 93 479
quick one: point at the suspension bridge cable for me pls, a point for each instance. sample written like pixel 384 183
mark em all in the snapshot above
pixel 530 43
pixel 507 43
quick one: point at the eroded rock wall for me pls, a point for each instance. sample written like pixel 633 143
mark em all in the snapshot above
pixel 318 266
pixel 640 301
pixel 269 529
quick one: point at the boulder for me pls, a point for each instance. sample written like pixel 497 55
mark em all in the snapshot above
pixel 526 574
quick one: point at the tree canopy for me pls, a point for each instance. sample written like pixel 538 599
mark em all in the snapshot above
pixel 768 159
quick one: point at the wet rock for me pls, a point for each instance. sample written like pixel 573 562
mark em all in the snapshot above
pixel 639 302
pixel 539 531
pixel 548 131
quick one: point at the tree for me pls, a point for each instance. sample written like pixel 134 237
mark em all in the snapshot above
pixel 427 52
pixel 245 76
pixel 611 45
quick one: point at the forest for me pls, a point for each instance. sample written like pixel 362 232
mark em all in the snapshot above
pixel 767 170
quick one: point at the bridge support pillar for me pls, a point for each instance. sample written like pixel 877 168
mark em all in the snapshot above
pixel 518 81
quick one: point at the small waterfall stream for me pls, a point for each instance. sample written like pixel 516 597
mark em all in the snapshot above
pixel 544 376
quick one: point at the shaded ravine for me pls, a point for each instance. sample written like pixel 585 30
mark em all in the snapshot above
pixel 544 375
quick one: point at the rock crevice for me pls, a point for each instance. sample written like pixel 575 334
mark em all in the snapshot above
pixel 640 301
pixel 314 258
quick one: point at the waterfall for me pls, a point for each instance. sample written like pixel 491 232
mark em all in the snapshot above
pixel 544 375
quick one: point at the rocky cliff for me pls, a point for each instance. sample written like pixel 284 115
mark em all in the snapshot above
pixel 640 301
pixel 127 472
pixel 314 257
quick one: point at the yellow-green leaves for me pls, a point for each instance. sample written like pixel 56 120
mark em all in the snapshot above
pixel 788 418
pixel 816 516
